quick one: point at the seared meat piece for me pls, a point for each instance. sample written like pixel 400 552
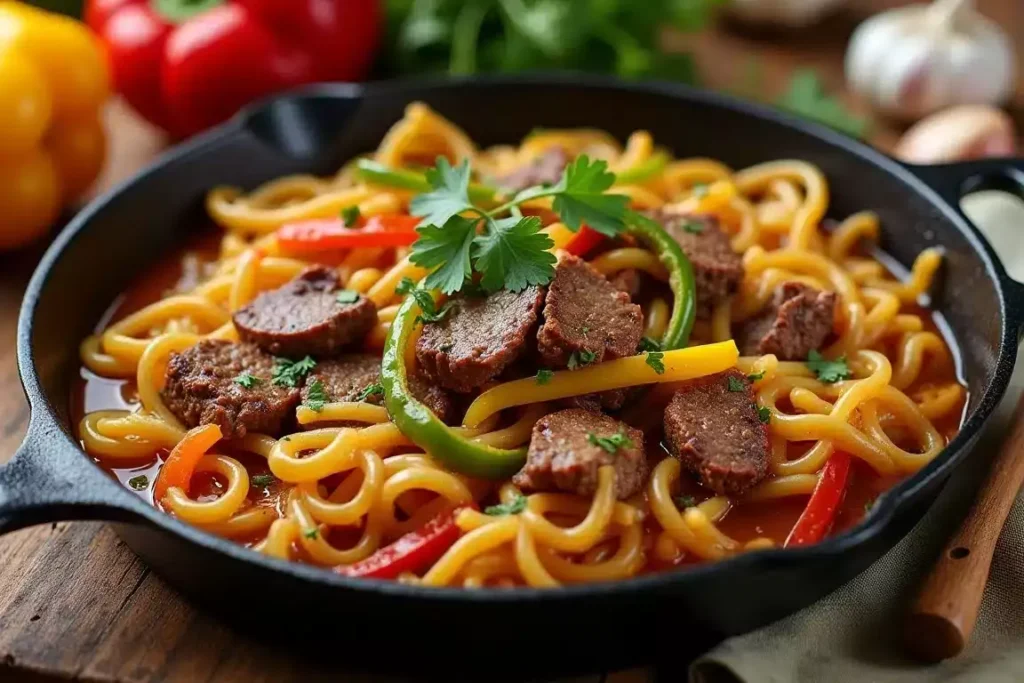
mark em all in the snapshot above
pixel 311 315
pixel 227 384
pixel 479 338
pixel 566 452
pixel 628 281
pixel 345 379
pixel 717 269
pixel 797 321
pixel 546 169
pixel 587 320
pixel 712 426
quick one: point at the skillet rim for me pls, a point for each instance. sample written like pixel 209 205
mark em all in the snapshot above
pixel 46 429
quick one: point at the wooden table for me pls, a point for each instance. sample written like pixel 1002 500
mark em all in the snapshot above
pixel 76 603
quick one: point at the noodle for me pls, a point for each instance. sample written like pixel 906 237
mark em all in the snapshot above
pixel 348 482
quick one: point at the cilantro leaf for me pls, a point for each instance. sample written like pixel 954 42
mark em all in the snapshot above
pixel 316 397
pixel 806 97
pixel 447 250
pixel 517 505
pixel 513 254
pixel 247 380
pixel 429 312
pixel 580 198
pixel 829 371
pixel 262 481
pixel 405 286
pixel 311 533
pixel 450 194
pixel 288 372
pixel 346 296
pixel 611 444
pixel 648 344
pixel 694 227
pixel 371 390
pixel 656 360
pixel 764 414
pixel 736 384
pixel 139 483
pixel 544 376
pixel 683 502
pixel 756 376
pixel 578 359
pixel 350 215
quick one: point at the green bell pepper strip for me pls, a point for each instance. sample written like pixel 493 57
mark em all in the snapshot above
pixel 650 167
pixel 378 174
pixel 463 455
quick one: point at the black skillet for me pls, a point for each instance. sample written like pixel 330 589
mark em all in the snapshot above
pixel 384 625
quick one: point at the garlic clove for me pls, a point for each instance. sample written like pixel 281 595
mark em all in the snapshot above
pixel 911 61
pixel 960 133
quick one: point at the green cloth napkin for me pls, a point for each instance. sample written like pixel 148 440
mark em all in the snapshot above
pixel 855 634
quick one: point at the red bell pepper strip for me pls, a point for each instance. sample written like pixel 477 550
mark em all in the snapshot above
pixel 585 240
pixel 412 552
pixel 331 233
pixel 817 518
pixel 186 65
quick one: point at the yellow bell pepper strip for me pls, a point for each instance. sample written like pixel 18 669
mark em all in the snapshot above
pixel 421 426
pixel 54 83
pixel 679 364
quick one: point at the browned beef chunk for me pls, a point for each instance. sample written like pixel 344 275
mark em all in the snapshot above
pixel 628 281
pixel 716 433
pixel 480 337
pixel 311 315
pixel 587 320
pixel 797 321
pixel 717 269
pixel 229 385
pixel 347 378
pixel 546 169
pixel 566 452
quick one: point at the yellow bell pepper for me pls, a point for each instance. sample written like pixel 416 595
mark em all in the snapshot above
pixel 53 83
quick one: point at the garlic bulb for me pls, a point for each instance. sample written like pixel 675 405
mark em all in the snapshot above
pixel 912 61
pixel 792 13
pixel 970 131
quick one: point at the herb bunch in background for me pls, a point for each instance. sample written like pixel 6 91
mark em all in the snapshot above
pixel 606 36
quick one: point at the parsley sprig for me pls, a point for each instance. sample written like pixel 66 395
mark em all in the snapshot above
pixel 610 444
pixel 375 389
pixel 288 372
pixel 829 371
pixel 316 396
pixel 513 507
pixel 458 238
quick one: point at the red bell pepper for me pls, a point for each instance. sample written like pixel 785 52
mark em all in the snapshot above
pixel 331 233
pixel 585 240
pixel 820 513
pixel 412 552
pixel 186 65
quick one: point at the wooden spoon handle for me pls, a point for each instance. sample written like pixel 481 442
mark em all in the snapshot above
pixel 942 619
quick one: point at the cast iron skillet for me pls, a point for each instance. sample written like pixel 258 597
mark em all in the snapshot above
pixel 111 242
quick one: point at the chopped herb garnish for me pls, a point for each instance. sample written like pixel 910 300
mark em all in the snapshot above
pixel 656 359
pixel 611 443
pixel 756 376
pixel 517 505
pixel 699 190
pixel 288 372
pixel 346 296
pixel 405 286
pixel 829 371
pixel 683 502
pixel 248 381
pixel 578 359
pixel 350 214
pixel 371 390
pixel 458 238
pixel 316 397
pixel 584 329
pixel 544 376
pixel 695 227
pixel 262 481
pixel 648 344
pixel 286 438
pixel 429 312
pixel 445 348
pixel 736 384
pixel 764 414
pixel 139 483
pixel 311 533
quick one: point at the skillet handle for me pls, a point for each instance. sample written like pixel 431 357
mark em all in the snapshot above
pixel 50 480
